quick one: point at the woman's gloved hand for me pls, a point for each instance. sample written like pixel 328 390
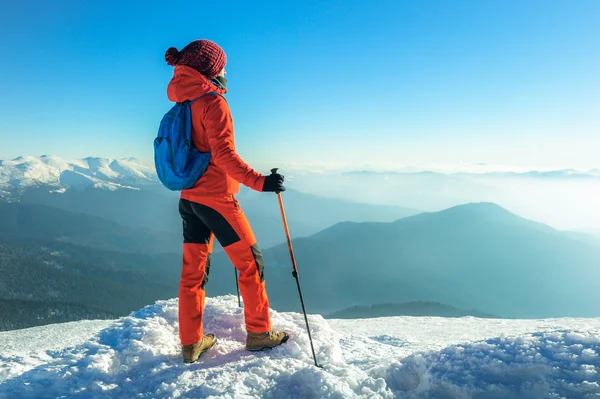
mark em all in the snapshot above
pixel 274 182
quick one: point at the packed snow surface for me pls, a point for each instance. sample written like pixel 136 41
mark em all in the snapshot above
pixel 394 357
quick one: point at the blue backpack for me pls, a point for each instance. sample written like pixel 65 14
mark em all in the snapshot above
pixel 179 164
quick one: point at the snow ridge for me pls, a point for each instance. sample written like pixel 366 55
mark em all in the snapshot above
pixel 111 174
pixel 138 356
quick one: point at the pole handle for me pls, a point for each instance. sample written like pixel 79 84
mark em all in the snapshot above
pixel 273 171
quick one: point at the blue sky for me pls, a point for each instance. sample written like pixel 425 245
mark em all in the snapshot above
pixel 346 82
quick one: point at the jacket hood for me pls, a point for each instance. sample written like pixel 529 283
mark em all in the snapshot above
pixel 187 84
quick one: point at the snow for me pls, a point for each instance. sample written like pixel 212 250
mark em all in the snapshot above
pixel 60 174
pixel 394 357
pixel 22 350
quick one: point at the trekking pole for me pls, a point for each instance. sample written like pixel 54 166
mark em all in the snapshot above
pixel 295 271
pixel 238 287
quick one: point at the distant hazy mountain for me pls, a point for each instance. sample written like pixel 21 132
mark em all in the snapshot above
pixel 320 212
pixel 406 309
pixel 22 222
pixel 563 199
pixel 484 172
pixel 472 256
pixel 593 232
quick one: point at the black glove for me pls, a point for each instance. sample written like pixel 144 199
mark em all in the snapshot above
pixel 274 182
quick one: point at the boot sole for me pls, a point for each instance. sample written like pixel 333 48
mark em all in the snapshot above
pixel 201 353
pixel 260 348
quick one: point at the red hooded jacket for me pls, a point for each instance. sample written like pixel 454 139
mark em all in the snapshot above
pixel 212 130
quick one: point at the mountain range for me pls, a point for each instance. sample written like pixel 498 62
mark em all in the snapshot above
pixel 476 256
pixel 53 172
pixel 65 223
pixel 108 247
pixel 128 192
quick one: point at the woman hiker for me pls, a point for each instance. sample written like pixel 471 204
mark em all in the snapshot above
pixel 209 209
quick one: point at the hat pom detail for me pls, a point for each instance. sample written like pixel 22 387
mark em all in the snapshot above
pixel 172 56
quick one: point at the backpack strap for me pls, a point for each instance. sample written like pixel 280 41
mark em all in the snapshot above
pixel 188 130
pixel 198 98
pixel 204 95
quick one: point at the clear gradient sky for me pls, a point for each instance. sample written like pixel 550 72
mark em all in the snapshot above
pixel 366 82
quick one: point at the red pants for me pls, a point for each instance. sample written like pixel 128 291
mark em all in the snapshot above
pixel 204 219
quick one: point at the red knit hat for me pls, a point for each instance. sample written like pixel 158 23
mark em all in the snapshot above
pixel 203 55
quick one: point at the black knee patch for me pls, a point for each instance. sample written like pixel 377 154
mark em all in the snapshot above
pixel 258 258
pixel 206 271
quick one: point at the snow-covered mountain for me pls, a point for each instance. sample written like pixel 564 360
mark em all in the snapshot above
pixel 59 174
pixel 394 357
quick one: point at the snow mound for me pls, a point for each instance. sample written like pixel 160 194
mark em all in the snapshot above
pixel 559 364
pixel 138 356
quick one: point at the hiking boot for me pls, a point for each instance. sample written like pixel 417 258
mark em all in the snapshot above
pixel 267 340
pixel 192 352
